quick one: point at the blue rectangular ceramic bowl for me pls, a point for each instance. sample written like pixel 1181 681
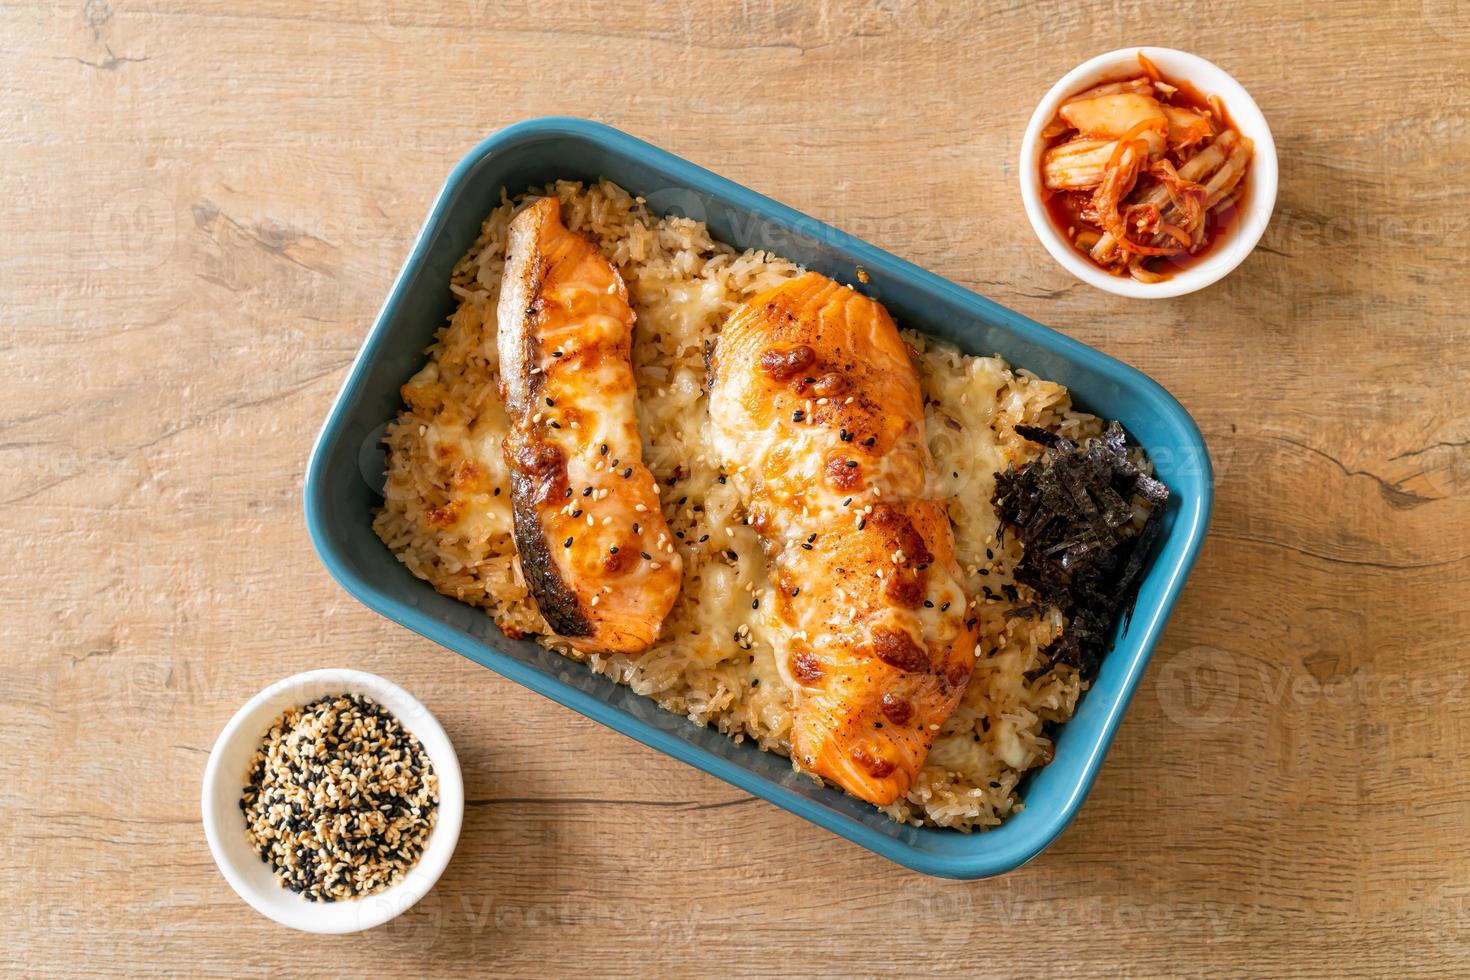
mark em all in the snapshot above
pixel 340 501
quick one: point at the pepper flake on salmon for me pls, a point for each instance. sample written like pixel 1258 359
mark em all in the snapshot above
pixel 818 413
pixel 594 549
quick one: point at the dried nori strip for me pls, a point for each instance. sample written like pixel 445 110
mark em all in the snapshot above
pixel 1036 435
pixel 1073 508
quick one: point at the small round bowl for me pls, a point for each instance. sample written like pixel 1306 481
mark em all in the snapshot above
pixel 1261 178
pixel 252 878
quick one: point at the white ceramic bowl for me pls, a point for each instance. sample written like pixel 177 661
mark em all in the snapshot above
pixel 224 825
pixel 1260 197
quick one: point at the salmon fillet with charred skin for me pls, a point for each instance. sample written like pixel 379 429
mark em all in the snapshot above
pixel 595 551
pixel 818 415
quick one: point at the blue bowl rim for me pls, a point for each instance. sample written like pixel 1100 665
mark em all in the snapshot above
pixel 1191 520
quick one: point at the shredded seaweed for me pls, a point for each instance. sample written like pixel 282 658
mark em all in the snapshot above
pixel 1083 552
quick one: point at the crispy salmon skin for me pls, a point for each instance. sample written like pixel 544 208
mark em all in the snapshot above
pixel 594 548
pixel 818 415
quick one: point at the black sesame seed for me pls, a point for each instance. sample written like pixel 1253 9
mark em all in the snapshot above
pixel 567 543
pixel 703 538
pixel 646 556
pixel 928 604
pixel 870 440
pixel 307 749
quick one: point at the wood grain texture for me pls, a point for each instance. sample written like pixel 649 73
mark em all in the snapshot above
pixel 203 205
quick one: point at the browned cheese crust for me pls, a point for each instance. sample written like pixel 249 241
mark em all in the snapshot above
pixel 818 412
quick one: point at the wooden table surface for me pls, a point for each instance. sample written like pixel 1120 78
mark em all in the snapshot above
pixel 203 206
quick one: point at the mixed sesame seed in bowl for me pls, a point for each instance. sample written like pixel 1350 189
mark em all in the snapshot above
pixel 332 801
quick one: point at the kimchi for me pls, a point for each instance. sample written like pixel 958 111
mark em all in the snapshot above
pixel 1143 175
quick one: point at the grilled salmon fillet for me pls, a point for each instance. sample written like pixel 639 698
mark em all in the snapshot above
pixel 818 416
pixel 595 551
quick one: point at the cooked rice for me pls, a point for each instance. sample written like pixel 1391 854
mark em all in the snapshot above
pixel 447 509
